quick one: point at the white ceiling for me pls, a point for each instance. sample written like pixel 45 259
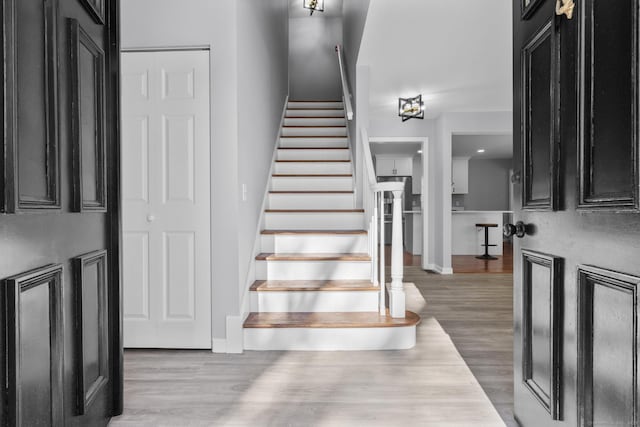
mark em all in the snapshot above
pixel 332 9
pixel 456 53
pixel 495 146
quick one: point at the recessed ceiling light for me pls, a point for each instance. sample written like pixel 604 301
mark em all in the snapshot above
pixel 481 150
pixel 419 151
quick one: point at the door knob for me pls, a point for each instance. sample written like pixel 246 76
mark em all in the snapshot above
pixel 519 230
pixel 151 218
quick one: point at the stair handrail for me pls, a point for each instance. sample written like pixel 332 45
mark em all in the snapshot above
pixel 346 95
pixel 373 201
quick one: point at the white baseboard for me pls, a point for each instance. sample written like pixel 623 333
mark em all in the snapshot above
pixel 234 343
pixel 442 270
pixel 218 345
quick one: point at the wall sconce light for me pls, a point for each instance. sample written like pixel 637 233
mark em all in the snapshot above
pixel 313 5
pixel 411 108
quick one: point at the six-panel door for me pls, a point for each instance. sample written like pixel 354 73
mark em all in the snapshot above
pixel 166 193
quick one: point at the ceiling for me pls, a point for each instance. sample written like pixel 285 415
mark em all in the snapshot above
pixel 457 54
pixel 495 146
pixel 332 9
pixel 404 149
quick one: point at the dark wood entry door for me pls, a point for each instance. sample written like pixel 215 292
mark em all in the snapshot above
pixel 59 227
pixel 577 266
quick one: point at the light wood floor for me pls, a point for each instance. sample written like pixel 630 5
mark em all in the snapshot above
pixel 429 385
pixel 476 310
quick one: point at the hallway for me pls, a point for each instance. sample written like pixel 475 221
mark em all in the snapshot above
pixel 430 383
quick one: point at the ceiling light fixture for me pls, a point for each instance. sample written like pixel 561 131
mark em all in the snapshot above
pixel 313 5
pixel 481 150
pixel 419 151
pixel 411 108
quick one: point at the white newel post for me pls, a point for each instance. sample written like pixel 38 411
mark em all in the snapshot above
pixel 381 274
pixel 396 293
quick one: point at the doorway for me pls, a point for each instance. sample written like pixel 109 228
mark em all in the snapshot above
pixel 407 159
pixel 166 199
pixel 481 193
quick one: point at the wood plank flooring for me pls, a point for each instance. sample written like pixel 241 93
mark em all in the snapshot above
pixel 476 310
pixel 471 264
pixel 429 385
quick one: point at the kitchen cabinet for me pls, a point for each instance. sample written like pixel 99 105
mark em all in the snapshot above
pixel 390 166
pixel 460 175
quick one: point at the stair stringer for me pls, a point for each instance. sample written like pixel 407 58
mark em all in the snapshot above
pixel 235 325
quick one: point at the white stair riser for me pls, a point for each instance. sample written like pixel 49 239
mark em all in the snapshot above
pixel 318 302
pixel 309 154
pixel 330 339
pixel 314 104
pixel 314 121
pixel 315 113
pixel 321 183
pixel 314 243
pixel 311 201
pixel 314 220
pixel 314 142
pixel 315 131
pixel 325 168
pixel 313 270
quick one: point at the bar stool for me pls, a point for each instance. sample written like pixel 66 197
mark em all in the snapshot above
pixel 486 241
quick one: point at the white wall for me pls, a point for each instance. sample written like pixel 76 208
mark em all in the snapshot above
pixel 313 64
pixel 248 56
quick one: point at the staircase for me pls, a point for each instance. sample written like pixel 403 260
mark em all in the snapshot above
pixel 314 289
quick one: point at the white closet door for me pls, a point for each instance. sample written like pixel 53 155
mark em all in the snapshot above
pixel 166 199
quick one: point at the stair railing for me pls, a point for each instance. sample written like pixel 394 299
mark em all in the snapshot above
pixel 373 200
pixel 346 95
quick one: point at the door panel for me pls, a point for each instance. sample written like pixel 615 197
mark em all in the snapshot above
pixel 166 220
pixel 594 232
pixel 608 141
pixel 32 177
pixel 608 351
pixel 60 76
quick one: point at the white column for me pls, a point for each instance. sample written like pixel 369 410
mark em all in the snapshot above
pixel 396 293
pixel 380 248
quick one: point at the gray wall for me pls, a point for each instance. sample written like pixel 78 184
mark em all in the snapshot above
pixel 248 42
pixel 488 185
pixel 262 79
pixel 354 17
pixel 313 64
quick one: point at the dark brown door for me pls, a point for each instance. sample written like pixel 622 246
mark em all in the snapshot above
pixel 577 266
pixel 59 258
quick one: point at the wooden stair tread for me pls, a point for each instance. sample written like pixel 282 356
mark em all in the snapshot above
pixel 311 192
pixel 312 285
pixel 315 210
pixel 313 148
pixel 314 126
pixel 313 136
pixel 330 232
pixel 315 108
pixel 313 257
pixel 313 161
pixel 313 117
pixel 311 175
pixel 328 320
